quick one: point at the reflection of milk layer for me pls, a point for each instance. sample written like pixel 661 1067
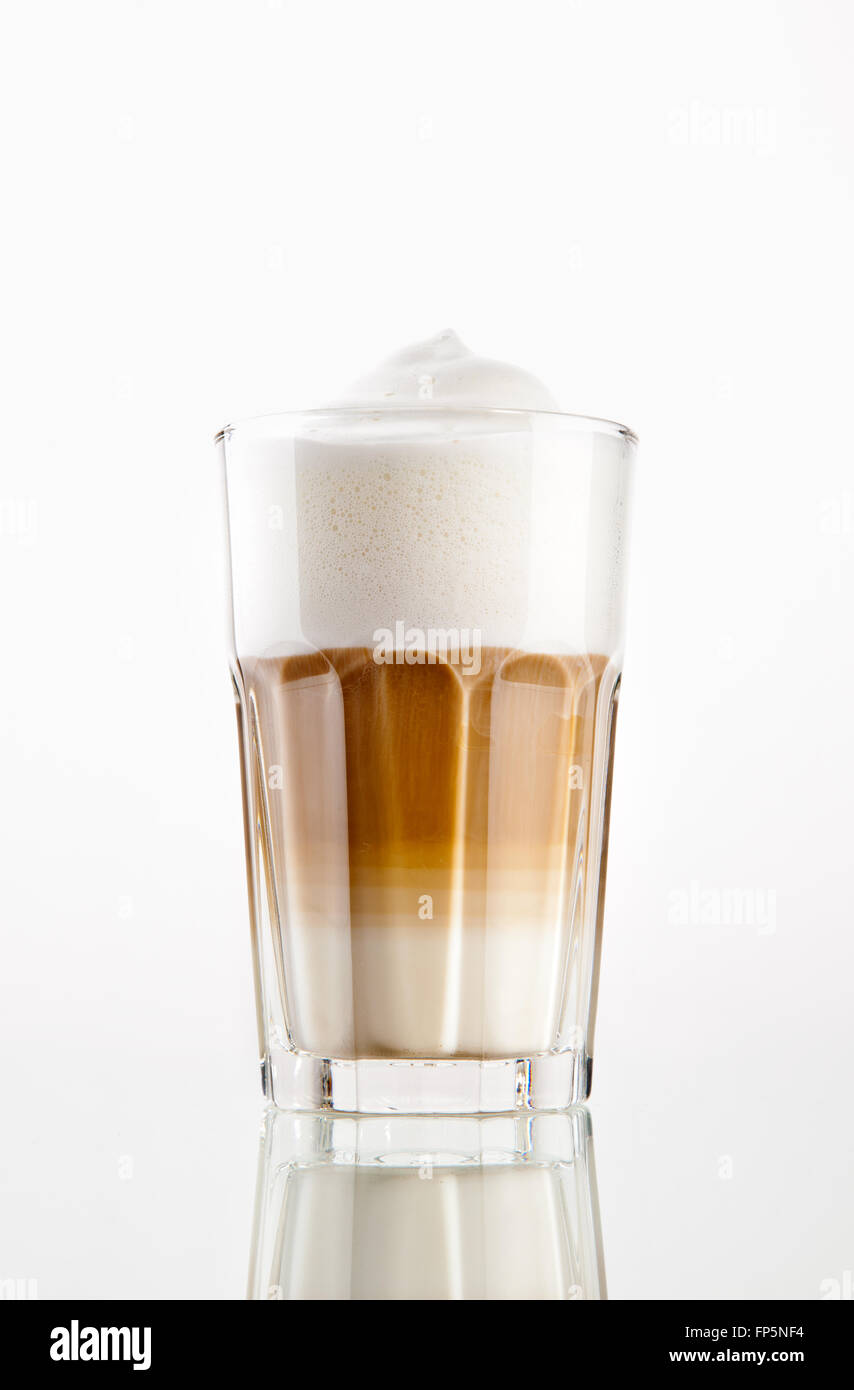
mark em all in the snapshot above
pixel 446 1210
pixel 405 1234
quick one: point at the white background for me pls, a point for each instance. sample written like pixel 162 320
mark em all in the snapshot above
pixel 218 209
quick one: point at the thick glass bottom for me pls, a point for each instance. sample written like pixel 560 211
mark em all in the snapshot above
pixel 371 1086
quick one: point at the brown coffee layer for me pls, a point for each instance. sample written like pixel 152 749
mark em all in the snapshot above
pixel 433 801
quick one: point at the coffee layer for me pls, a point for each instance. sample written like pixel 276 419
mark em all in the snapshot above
pixel 424 839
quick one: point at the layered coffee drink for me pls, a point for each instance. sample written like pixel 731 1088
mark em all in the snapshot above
pixel 430 835
pixel 427 610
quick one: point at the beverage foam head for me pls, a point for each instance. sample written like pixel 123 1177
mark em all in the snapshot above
pixel 442 371
pixel 419 518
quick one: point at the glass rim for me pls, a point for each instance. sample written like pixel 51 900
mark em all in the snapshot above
pixel 592 424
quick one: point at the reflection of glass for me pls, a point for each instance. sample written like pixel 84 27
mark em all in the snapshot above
pixel 412 1207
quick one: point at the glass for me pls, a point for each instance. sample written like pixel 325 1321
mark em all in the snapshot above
pixel 427 637
pixel 418 1207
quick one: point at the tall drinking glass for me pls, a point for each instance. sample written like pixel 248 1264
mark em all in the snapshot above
pixel 427 636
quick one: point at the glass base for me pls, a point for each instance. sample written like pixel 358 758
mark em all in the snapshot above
pixel 377 1086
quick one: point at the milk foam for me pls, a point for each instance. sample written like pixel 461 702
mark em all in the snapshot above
pixel 442 371
pixel 434 535
pixel 424 521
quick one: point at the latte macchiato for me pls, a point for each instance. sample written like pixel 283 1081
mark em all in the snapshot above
pixel 427 584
